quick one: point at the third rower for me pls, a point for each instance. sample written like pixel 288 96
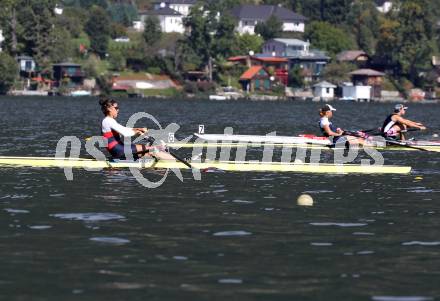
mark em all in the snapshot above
pixel 395 125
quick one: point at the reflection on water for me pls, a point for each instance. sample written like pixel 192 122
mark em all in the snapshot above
pixel 230 235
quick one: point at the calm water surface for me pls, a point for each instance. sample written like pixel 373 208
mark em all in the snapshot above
pixel 239 236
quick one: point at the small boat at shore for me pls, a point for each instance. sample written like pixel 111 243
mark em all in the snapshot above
pixel 234 166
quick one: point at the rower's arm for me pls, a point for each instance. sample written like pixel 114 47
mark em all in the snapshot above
pixel 329 131
pixel 410 123
pixel 124 131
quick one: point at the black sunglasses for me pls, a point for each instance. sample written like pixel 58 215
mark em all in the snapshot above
pixel 116 108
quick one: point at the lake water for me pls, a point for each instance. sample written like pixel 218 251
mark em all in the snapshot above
pixel 237 236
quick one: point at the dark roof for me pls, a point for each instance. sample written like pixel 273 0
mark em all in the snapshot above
pixel 177 2
pixel 350 55
pixel 381 2
pixel 263 12
pixel 367 72
pixel 163 11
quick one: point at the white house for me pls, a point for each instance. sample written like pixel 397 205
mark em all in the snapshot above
pixel 384 6
pixel 169 19
pixel 2 38
pixel 324 90
pixel 181 6
pixel 356 93
pixel 26 64
pixel 248 16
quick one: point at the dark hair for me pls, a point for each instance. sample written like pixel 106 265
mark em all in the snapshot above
pixel 106 104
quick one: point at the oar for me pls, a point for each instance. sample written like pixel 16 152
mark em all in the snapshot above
pixel 404 144
pixel 151 140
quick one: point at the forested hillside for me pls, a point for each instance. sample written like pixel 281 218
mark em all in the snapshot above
pixel 403 40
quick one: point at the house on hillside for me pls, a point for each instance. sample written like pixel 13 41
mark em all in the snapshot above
pixel 277 66
pixel 2 38
pixel 69 74
pixel 181 6
pixel 137 82
pixel 384 6
pixel 169 19
pixel 358 57
pixel 369 77
pixel 248 16
pixel 256 78
pixel 26 66
pixel 324 90
pixel 298 53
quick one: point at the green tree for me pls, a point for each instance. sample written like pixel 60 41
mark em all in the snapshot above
pixel 270 29
pixel 9 22
pixel 247 42
pixel 200 41
pixel 296 78
pixel 37 19
pixel 8 72
pixel 152 32
pixel 415 49
pixel 363 19
pixel 224 34
pixel 98 30
pixel 327 37
pixel 338 72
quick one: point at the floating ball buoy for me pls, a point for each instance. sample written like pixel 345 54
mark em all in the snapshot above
pixel 435 135
pixel 304 200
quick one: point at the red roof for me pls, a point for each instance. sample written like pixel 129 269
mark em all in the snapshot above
pixel 237 58
pixel 273 59
pixel 251 72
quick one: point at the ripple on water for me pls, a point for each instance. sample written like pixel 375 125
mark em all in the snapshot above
pixel 232 233
pixel 89 217
pixel 344 225
pixel 42 227
pixel 230 281
pixel 401 298
pixel 110 240
pixel 16 211
pixel 421 243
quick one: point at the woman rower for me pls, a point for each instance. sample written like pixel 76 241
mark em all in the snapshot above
pixel 394 125
pixel 331 131
pixel 112 131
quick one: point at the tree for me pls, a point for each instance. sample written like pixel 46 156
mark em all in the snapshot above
pixel 9 22
pixel 296 78
pixel 327 37
pixel 200 41
pixel 270 29
pixel 98 30
pixel 152 32
pixel 8 72
pixel 37 19
pixel 247 42
pixel 363 19
pixel 224 34
pixel 338 72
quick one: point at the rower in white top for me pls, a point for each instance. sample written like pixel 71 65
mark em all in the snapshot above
pixel 112 131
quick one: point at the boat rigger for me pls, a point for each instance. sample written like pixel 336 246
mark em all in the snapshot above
pixel 242 166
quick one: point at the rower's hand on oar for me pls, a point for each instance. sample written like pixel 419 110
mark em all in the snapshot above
pixel 140 131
